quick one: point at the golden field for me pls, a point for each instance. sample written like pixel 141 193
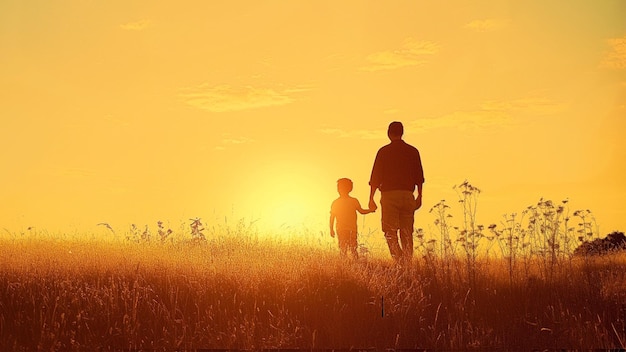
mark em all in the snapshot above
pixel 238 290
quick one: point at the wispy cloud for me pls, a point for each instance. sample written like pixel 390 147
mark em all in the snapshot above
pixel 391 111
pixel 615 58
pixel 136 26
pixel 229 140
pixel 236 140
pixel 359 134
pixel 487 25
pixel 465 120
pixel 536 105
pixel 412 53
pixel 224 98
pixel 495 113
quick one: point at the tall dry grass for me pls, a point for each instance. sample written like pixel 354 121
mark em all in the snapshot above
pixel 508 286
pixel 246 293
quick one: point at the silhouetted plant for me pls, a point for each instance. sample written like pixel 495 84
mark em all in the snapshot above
pixel 470 233
pixel 364 252
pixel 145 235
pixel 105 225
pixel 133 235
pixel 511 240
pixel 446 248
pixel 426 248
pixel 163 234
pixel 197 230
pixel 546 226
pixel 587 228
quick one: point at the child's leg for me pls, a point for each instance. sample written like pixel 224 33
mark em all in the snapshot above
pixel 353 244
pixel 343 250
pixel 343 242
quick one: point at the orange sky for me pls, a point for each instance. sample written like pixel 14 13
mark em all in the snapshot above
pixel 133 112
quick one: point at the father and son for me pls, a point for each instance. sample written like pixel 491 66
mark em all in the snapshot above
pixel 397 172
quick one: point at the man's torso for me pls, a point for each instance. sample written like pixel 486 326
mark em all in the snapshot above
pixel 397 167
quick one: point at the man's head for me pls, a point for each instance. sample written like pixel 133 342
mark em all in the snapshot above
pixel 395 130
pixel 344 186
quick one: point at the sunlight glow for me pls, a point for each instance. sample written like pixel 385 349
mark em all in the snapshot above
pixel 290 196
pixel 143 112
pixel 286 211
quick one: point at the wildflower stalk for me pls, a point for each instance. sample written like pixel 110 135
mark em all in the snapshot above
pixel 197 234
pixel 510 240
pixel 446 251
pixel 471 233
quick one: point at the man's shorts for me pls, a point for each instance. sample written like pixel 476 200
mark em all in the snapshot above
pixel 398 209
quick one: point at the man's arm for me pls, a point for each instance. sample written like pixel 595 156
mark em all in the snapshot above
pixel 419 179
pixel 375 180
pixel 418 200
pixel 372 203
pixel 332 223
pixel 420 182
pixel 420 173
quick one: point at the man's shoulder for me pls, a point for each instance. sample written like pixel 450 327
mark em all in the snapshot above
pixel 401 144
pixel 408 146
pixel 399 148
pixel 405 147
pixel 385 148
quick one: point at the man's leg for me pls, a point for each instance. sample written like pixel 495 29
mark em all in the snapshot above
pixel 394 247
pixel 390 222
pixel 406 238
pixel 407 217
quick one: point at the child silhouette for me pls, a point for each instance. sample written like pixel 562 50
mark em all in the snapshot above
pixel 344 209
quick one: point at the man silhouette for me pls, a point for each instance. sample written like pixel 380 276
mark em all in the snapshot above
pixel 397 170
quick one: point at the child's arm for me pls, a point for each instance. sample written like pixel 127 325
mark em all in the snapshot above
pixel 332 223
pixel 364 211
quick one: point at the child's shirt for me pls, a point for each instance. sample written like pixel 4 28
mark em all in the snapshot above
pixel 345 209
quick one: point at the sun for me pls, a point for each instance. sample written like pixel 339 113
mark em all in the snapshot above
pixel 293 205
pixel 292 198
pixel 287 210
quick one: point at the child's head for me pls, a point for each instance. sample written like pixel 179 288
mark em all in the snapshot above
pixel 344 186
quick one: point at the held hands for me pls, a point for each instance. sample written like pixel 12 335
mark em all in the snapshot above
pixel 372 206
pixel 332 233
